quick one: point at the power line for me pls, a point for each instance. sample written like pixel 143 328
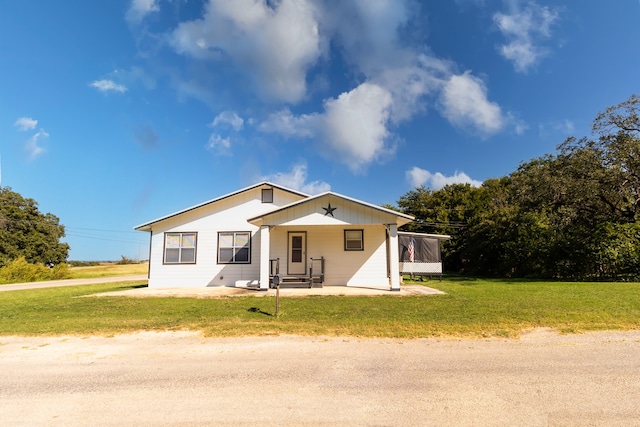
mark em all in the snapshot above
pixel 102 230
pixel 96 237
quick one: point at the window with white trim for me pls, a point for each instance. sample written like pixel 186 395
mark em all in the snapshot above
pixel 234 247
pixel 353 240
pixel 180 248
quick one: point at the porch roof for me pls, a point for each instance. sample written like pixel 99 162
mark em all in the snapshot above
pixel 432 236
pixel 302 212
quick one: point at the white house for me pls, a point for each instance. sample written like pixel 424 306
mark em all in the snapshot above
pixel 248 237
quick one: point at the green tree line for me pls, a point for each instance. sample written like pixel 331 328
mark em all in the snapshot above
pixel 568 215
pixel 27 233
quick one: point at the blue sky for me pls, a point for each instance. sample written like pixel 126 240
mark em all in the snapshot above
pixel 117 112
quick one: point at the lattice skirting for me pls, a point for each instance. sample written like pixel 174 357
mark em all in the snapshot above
pixel 420 268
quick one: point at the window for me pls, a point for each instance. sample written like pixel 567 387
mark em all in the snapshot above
pixel 267 195
pixel 180 248
pixel 234 247
pixel 353 240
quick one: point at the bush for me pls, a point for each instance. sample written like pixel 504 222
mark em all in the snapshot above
pixel 83 263
pixel 20 271
pixel 125 261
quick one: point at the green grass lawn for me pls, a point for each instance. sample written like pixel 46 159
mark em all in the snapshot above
pixel 471 308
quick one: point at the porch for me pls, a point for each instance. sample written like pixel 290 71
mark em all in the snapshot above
pixel 314 279
pixel 314 256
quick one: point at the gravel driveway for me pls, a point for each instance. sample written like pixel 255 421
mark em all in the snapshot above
pixel 179 378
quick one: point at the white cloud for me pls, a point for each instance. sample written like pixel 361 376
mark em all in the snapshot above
pixel 418 177
pixel 369 35
pixel 352 128
pixel 25 123
pixel 465 104
pixel 32 146
pixel 139 9
pixel 398 82
pixel 524 30
pixel 219 145
pixel 106 86
pixel 519 125
pixel 287 124
pixel 355 125
pixel 562 127
pixel 296 179
pixel 228 118
pixel 225 120
pixel 132 77
pixel 276 43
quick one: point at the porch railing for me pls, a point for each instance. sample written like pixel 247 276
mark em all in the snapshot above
pixel 316 270
pixel 274 267
pixel 316 274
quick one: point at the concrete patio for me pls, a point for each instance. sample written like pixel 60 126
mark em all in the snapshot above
pixel 223 291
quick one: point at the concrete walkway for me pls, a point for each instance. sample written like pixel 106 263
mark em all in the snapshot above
pixel 224 291
pixel 219 291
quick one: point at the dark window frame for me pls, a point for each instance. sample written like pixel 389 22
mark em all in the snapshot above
pixel 180 247
pixel 267 195
pixel 234 248
pixel 346 245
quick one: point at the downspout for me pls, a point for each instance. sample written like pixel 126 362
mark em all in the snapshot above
pixel 149 262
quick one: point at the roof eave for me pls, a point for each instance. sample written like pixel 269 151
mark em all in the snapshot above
pixel 147 226
pixel 401 218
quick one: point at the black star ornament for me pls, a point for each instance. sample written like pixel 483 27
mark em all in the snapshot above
pixel 329 210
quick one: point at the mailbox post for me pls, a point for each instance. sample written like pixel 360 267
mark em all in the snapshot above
pixel 276 281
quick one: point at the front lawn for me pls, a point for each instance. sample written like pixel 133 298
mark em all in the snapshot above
pixel 471 307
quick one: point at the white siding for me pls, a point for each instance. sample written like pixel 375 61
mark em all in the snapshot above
pixel 324 237
pixel 314 213
pixel 350 268
pixel 225 215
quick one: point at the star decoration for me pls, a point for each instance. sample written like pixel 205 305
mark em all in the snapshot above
pixel 329 210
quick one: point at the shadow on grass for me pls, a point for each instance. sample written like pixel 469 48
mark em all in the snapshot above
pixel 258 310
pixel 447 278
pixel 128 286
pixel 468 281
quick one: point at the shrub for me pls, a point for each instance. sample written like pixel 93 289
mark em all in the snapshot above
pixel 83 263
pixel 125 260
pixel 20 271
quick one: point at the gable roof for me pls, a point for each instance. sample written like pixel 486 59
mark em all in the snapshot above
pixel 147 225
pixel 401 218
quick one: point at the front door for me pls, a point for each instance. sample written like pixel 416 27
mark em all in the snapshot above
pixel 297 263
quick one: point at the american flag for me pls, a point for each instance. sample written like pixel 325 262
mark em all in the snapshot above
pixel 411 250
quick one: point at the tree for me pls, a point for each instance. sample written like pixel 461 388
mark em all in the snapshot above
pixel 445 211
pixel 572 215
pixel 26 232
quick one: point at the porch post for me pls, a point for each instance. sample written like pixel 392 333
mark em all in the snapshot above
pixel 394 258
pixel 265 236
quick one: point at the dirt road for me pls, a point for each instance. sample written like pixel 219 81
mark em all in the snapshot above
pixel 178 378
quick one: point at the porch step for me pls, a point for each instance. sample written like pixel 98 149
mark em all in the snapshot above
pixel 297 282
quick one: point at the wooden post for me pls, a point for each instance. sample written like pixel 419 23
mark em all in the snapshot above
pixel 276 281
